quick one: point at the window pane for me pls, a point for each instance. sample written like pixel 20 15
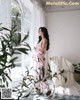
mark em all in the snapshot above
pixel 16 9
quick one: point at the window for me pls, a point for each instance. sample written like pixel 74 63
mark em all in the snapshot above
pixel 17 71
pixel 24 26
pixel 15 8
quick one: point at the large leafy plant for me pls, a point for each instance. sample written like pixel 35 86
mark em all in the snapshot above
pixel 11 43
pixel 26 86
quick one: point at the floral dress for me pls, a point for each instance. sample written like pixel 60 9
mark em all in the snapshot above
pixel 39 59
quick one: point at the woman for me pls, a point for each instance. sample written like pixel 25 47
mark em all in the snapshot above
pixel 39 57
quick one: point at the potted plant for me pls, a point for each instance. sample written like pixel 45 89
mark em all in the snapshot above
pixel 11 42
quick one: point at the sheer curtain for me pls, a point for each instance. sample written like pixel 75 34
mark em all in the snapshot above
pixel 26 20
pixel 38 20
pixel 35 13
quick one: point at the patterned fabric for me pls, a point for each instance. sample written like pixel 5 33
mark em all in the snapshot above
pixel 39 58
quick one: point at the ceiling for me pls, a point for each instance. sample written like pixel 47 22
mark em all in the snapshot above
pixel 57 8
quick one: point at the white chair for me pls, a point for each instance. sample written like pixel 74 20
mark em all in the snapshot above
pixel 71 87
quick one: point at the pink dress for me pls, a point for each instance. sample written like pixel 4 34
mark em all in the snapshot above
pixel 39 58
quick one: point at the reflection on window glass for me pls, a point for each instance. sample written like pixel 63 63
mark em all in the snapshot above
pixel 14 10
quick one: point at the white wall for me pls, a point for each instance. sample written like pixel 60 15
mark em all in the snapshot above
pixel 64 31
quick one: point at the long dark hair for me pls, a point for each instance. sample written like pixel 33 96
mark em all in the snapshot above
pixel 46 35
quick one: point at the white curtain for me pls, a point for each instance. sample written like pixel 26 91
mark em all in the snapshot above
pixel 26 18
pixel 38 20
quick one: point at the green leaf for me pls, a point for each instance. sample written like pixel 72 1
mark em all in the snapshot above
pixel 26 44
pixel 9 70
pixel 3 58
pixel 1 71
pixel 9 54
pixel 49 68
pixel 3 77
pixel 9 66
pixel 4 39
pixel 25 37
pixel 6 74
pixel 23 50
pixel 2 64
pixel 55 75
pixel 24 84
pixel 20 94
pixel 27 71
pixel 13 59
pixel 7 84
pixel 14 28
pixel 31 68
pixel 14 90
pixel 6 29
pixel 3 46
pixel 7 35
pixel 19 38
